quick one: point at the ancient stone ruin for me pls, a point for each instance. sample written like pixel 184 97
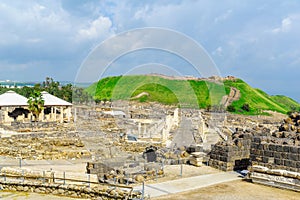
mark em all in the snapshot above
pixel 273 158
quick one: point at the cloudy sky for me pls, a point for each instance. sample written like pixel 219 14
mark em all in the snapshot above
pixel 255 40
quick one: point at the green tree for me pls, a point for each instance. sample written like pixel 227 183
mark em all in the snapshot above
pixel 36 104
pixel 66 92
pixel 52 87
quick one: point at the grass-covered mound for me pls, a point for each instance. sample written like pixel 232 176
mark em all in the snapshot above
pixel 189 93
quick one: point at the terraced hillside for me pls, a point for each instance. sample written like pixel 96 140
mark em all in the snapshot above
pixel 202 93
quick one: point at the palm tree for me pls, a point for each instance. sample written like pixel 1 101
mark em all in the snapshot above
pixel 36 104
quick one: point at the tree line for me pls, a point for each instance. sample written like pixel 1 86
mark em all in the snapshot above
pixel 66 92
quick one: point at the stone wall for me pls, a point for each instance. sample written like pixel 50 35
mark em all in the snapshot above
pixel 275 155
pixel 77 191
pixel 233 154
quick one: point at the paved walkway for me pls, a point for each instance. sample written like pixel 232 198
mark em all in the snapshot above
pixel 186 184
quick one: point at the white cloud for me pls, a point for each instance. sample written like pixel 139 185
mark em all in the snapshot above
pixel 101 27
pixel 142 13
pixel 218 51
pixel 223 17
pixel 285 26
pixel 34 40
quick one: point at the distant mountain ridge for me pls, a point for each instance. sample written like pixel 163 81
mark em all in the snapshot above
pixel 190 92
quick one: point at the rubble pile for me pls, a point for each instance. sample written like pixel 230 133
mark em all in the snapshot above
pixel 128 170
pixel 291 124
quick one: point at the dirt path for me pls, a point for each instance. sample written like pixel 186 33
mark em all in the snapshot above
pixel 234 95
pixel 187 184
pixel 234 190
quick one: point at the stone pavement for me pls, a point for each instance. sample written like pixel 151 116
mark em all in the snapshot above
pixel 186 184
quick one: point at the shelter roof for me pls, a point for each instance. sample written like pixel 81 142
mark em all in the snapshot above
pixel 11 98
pixel 51 100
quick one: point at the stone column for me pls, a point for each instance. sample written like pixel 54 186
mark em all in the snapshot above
pixel 139 128
pixel 75 114
pixel 42 115
pixel 145 130
pixel 69 113
pixel 61 114
pixel 52 114
pixel 6 117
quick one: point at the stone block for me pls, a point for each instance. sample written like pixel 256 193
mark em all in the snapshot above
pixel 269 153
pixel 277 155
pixel 272 147
pixel 213 156
pixel 287 163
pixel 254 145
pixel 278 161
pixel 252 157
pixel 286 149
pixel 256 139
pixel 293 164
pixel 265 159
pixel 284 155
pixel 294 157
pixel 293 149
pixel 279 148
pixel 266 146
pixel 223 158
pixel 298 164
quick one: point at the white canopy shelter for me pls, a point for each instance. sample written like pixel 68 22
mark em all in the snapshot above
pixel 54 102
pixel 56 109
pixel 51 100
pixel 11 98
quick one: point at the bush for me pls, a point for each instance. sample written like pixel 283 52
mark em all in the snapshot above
pixel 231 108
pixel 246 107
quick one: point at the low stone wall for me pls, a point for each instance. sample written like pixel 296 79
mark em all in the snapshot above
pixel 29 126
pixel 275 177
pixel 92 192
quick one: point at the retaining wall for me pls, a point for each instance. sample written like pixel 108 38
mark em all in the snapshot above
pixel 77 191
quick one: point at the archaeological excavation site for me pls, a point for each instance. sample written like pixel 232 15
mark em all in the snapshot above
pixel 126 149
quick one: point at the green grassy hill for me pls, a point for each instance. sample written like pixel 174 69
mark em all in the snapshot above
pixel 189 93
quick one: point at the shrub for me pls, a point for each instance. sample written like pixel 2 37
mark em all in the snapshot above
pixel 246 107
pixel 231 108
